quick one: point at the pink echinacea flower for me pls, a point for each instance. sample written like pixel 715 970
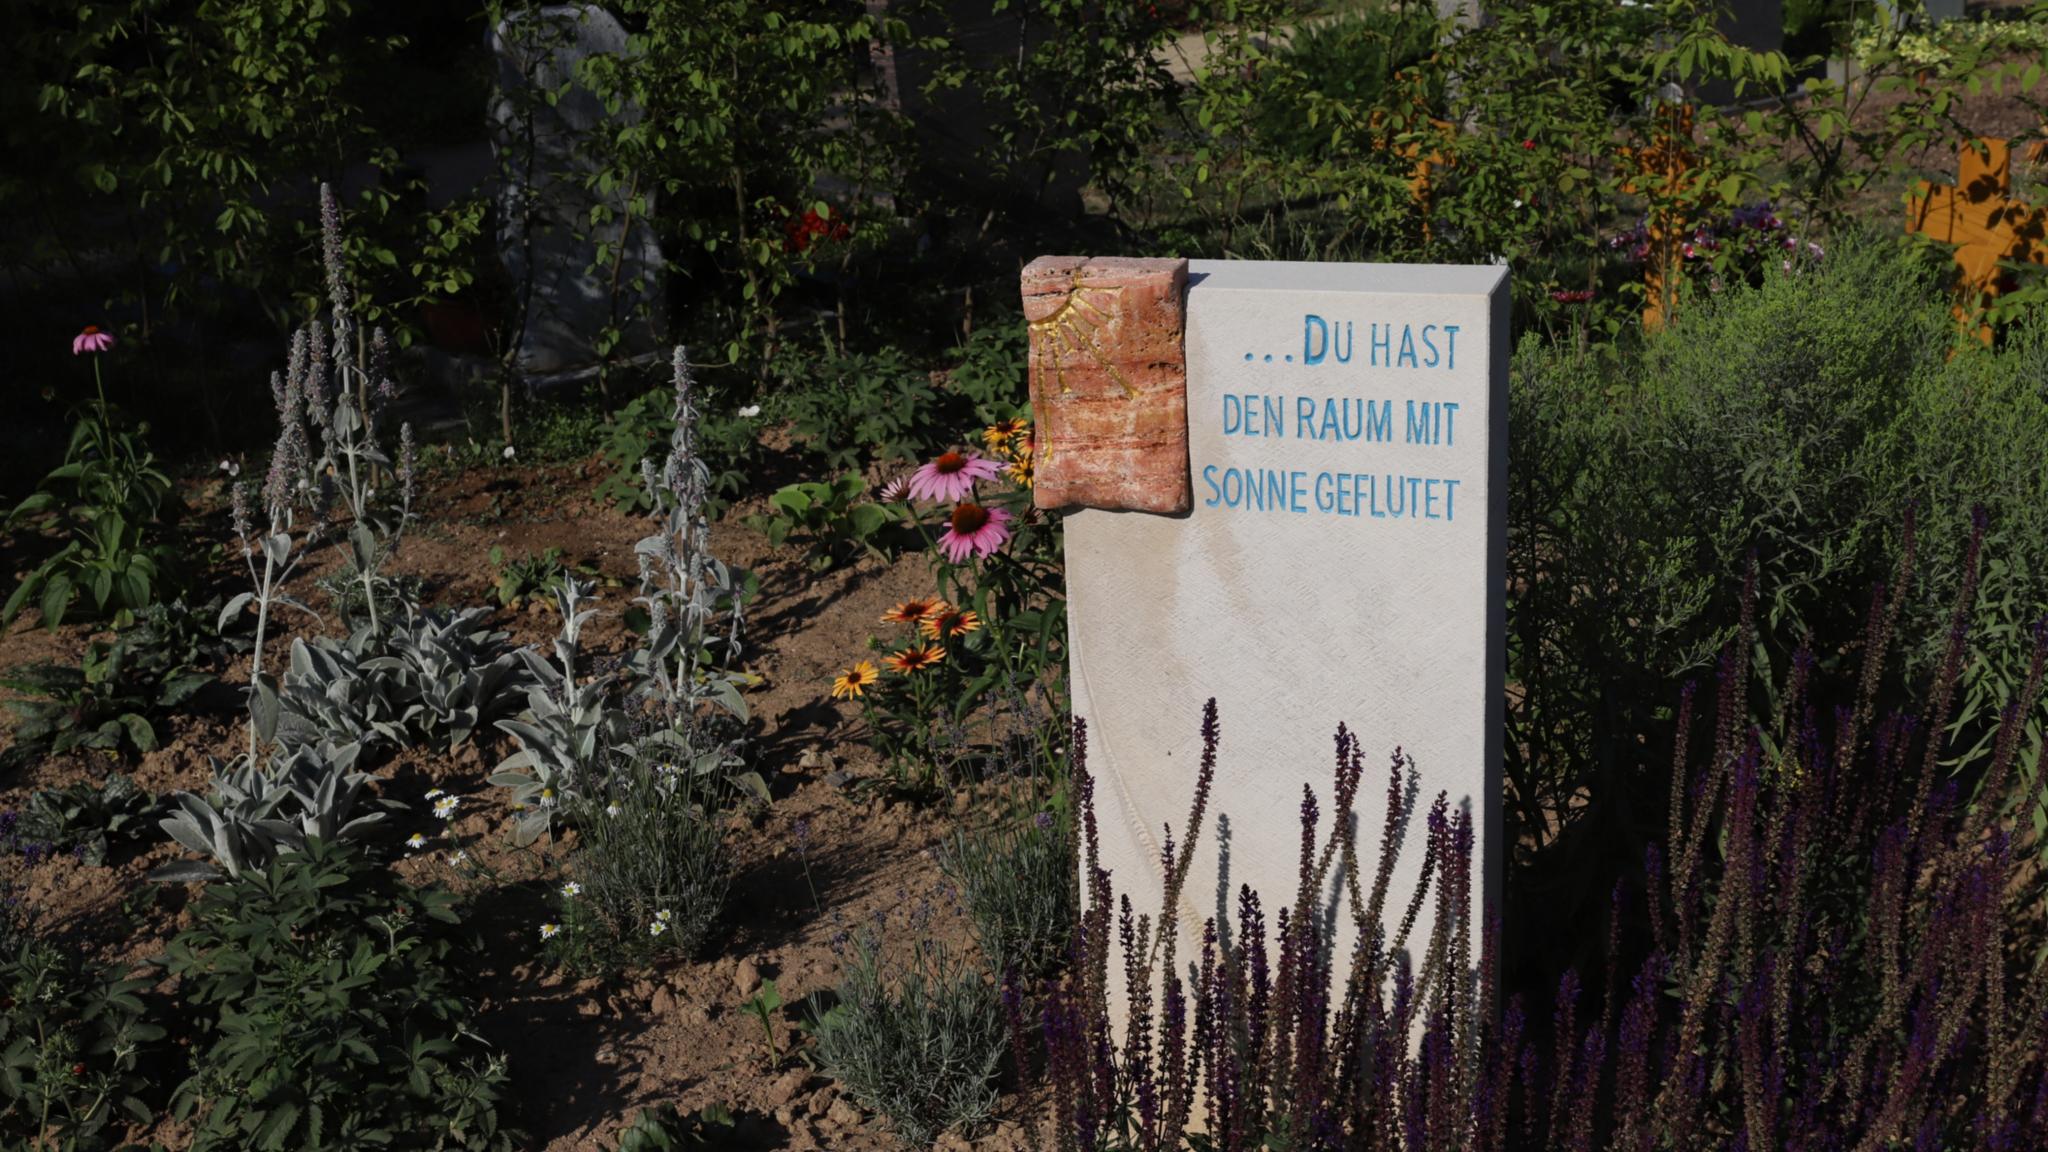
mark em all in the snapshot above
pixel 951 477
pixel 974 531
pixel 91 340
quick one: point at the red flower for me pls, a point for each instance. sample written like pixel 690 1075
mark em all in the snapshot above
pixel 1528 145
pixel 799 231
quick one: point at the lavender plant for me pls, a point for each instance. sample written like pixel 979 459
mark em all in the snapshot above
pixel 1836 952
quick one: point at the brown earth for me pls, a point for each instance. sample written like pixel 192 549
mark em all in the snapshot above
pixel 587 1054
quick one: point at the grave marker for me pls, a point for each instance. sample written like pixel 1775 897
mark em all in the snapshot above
pixel 1341 558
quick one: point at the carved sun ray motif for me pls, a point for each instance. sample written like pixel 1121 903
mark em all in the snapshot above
pixel 1073 330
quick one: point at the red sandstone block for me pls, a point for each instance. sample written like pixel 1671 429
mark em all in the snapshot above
pixel 1109 383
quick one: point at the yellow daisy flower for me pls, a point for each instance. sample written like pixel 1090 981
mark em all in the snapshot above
pixel 855 681
pixel 945 625
pixel 914 659
pixel 912 611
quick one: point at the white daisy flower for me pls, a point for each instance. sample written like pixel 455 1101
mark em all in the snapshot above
pixel 446 805
pixel 657 928
pixel 550 931
pixel 572 889
pixel 750 411
pixel 459 857
pixel 415 841
pixel 611 809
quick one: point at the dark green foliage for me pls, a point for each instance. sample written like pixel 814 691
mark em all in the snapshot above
pixel 1017 884
pixel 520 578
pixel 1349 59
pixel 847 408
pixel 639 432
pixel 107 702
pixel 990 373
pixel 86 819
pixel 663 1129
pixel 922 1049
pixel 71 1044
pixel 332 1015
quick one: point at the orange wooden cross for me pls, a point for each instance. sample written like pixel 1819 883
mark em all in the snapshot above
pixel 1980 217
pixel 1664 165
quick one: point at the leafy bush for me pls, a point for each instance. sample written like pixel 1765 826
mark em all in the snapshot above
pixel 1795 419
pixel 332 1015
pixel 846 408
pixel 651 867
pixel 72 1044
pixel 836 524
pixel 529 577
pixel 87 820
pixel 1018 884
pixel 1350 59
pixel 922 1049
pixel 108 701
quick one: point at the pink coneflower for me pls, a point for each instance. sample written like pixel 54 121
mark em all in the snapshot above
pixel 974 531
pixel 91 340
pixel 951 477
pixel 894 491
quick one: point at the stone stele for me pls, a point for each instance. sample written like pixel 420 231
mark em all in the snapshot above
pixel 1342 560
pixel 1108 383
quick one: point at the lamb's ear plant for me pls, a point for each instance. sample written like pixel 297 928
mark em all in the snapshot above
pixel 694 616
pixel 251 815
pixel 567 731
pixel 333 385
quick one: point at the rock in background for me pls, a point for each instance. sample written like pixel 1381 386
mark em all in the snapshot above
pixel 564 300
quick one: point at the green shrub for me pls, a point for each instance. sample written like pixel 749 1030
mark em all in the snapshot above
pixel 663 1129
pixel 922 1050
pixel 331 1014
pixel 71 1045
pixel 831 518
pixel 86 819
pixel 1795 421
pixel 107 702
pixel 111 500
pixel 847 408
pixel 1018 885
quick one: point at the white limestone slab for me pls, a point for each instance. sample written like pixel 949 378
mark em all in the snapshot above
pixel 1340 564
